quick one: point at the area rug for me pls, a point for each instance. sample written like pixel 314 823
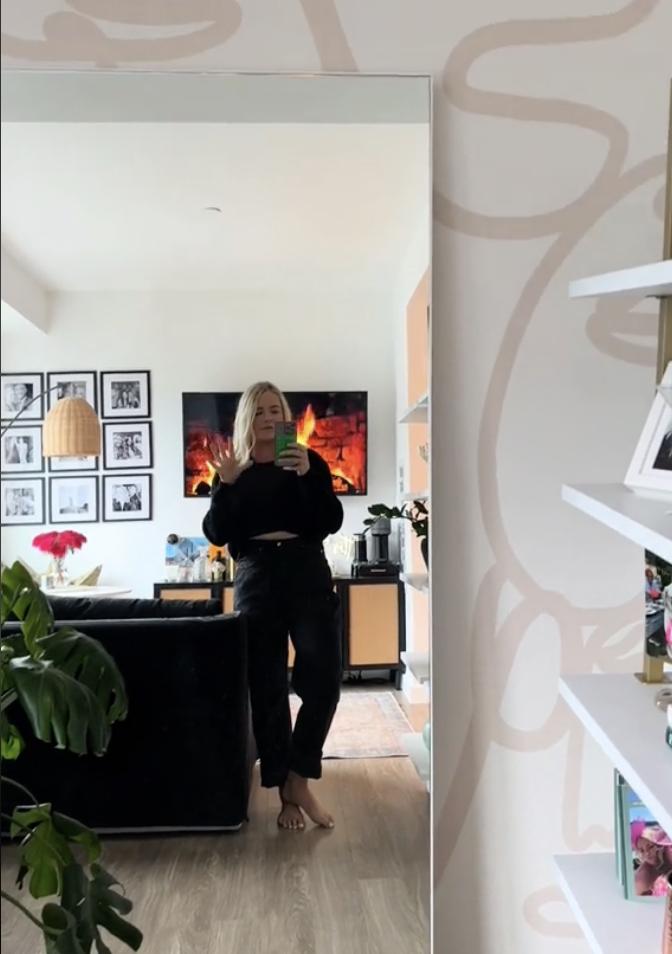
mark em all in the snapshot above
pixel 367 725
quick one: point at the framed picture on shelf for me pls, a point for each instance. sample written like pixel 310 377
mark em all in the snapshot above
pixel 651 464
pixel 81 384
pixel 22 501
pixel 125 394
pixel 64 464
pixel 22 392
pixel 127 444
pixel 21 450
pixel 73 499
pixel 127 497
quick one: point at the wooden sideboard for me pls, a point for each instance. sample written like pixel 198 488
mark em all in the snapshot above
pixel 373 619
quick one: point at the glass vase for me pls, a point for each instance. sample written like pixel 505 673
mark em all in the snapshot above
pixel 59 573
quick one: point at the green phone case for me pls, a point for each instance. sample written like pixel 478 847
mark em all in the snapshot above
pixel 285 434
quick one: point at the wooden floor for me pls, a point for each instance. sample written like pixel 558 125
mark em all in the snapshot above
pixel 360 889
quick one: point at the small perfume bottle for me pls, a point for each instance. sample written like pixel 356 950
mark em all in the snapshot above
pixel 218 570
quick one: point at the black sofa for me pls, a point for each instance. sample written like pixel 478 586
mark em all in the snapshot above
pixel 182 760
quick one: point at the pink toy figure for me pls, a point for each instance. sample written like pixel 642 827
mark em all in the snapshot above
pixel 652 849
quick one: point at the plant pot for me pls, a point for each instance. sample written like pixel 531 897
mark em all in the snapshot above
pixel 424 549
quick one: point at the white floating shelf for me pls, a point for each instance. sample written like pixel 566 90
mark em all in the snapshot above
pixel 650 280
pixel 413 744
pixel 645 519
pixel 418 413
pixel 620 714
pixel 666 393
pixel 420 495
pixel 418 665
pixel 419 581
pixel 611 924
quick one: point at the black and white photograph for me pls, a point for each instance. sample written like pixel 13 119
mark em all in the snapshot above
pixel 22 393
pixel 73 499
pixel 651 464
pixel 22 501
pixel 80 384
pixel 663 460
pixel 126 445
pixel 125 394
pixel 65 464
pixel 127 497
pixel 21 450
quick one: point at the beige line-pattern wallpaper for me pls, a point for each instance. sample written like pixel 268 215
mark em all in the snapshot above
pixel 550 133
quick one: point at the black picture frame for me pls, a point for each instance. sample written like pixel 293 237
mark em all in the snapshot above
pixel 8 483
pixel 34 381
pixel 76 380
pixel 132 430
pixel 72 465
pixel 74 517
pixel 143 482
pixel 17 468
pixel 111 408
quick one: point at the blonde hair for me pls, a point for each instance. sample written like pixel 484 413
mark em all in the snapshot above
pixel 243 425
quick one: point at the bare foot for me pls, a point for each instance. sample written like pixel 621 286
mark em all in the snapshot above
pixel 291 817
pixel 297 792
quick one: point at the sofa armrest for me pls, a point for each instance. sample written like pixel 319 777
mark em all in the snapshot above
pixel 181 760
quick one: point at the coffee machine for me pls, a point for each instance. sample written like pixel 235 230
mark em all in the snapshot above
pixel 372 552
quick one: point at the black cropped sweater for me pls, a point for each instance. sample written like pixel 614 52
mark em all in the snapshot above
pixel 267 499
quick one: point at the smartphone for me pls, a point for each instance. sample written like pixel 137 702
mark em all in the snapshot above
pixel 285 434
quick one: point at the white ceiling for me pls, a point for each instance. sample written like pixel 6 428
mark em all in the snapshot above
pixel 121 206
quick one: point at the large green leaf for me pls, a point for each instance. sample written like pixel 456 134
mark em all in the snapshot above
pixel 22 598
pixel 60 708
pixel 73 653
pixel 6 653
pixel 63 940
pixel 89 903
pixel 94 904
pixel 45 852
pixel 47 847
pixel 90 664
pixel 12 741
pixel 78 834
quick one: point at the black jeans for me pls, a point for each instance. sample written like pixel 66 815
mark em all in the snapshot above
pixel 284 588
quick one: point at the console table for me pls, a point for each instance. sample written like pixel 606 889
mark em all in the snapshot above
pixel 88 592
pixel 373 618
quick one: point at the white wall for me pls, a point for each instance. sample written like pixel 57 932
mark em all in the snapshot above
pixel 211 341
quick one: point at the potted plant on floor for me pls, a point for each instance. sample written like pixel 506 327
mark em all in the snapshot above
pixel 71 692
pixel 417 515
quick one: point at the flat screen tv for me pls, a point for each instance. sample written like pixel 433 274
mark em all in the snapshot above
pixel 334 423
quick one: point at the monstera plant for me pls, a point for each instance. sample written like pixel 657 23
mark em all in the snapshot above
pixel 71 692
pixel 415 512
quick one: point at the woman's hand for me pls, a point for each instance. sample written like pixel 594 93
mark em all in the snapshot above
pixel 295 458
pixel 224 463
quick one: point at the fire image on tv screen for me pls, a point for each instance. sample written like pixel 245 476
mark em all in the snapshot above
pixel 333 423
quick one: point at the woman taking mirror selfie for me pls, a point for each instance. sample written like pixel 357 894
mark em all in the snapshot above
pixel 273 504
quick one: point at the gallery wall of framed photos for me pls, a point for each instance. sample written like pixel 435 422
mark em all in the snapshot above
pixel 114 488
